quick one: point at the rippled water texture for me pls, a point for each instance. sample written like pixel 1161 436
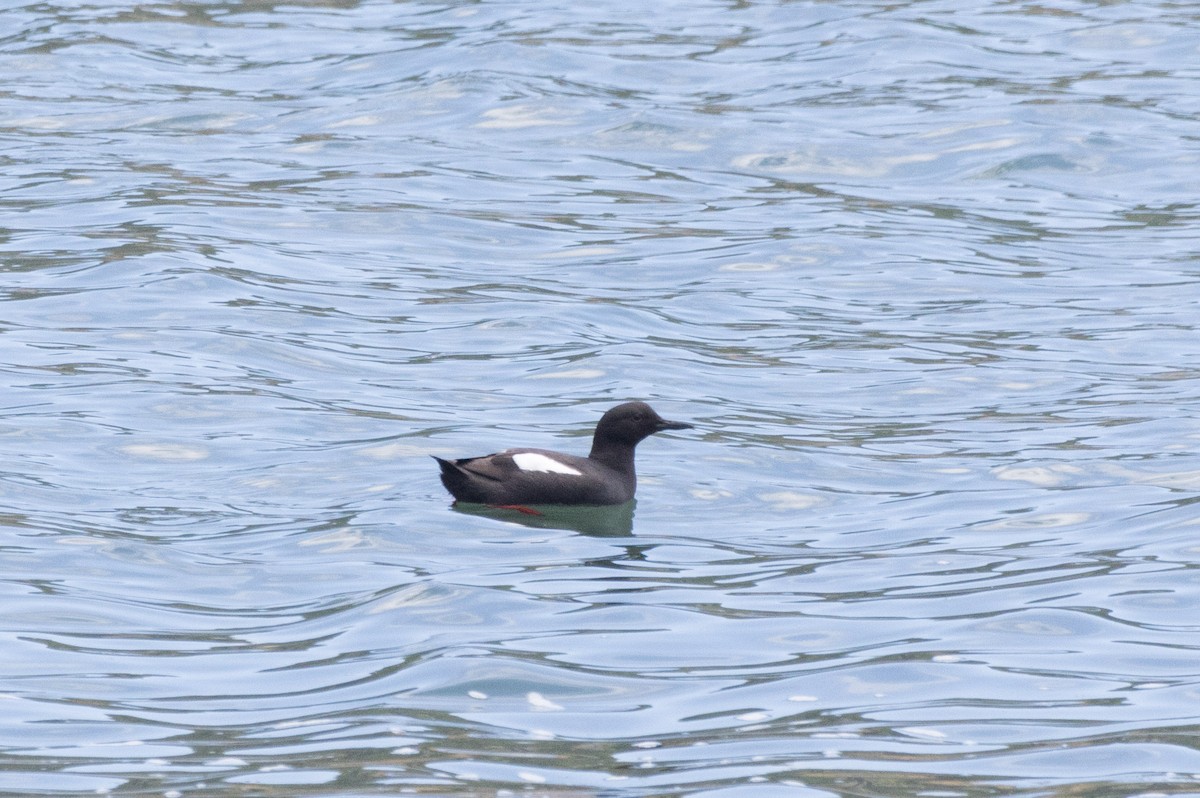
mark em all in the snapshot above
pixel 922 274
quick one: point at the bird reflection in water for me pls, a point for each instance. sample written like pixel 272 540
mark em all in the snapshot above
pixel 602 521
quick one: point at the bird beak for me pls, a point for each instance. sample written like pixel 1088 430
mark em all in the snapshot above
pixel 664 424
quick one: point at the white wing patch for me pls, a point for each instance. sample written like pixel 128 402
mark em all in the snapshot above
pixel 532 461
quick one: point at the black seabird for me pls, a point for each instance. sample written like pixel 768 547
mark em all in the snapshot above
pixel 518 477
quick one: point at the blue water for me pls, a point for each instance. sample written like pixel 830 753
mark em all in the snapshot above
pixel 924 276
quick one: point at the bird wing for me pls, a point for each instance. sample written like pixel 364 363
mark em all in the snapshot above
pixel 495 467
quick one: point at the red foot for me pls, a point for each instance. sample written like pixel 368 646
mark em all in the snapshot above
pixel 518 507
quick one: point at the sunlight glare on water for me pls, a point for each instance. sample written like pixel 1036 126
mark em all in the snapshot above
pixel 922 275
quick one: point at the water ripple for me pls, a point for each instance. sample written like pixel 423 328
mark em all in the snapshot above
pixel 919 274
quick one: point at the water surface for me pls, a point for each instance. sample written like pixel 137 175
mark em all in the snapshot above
pixel 922 274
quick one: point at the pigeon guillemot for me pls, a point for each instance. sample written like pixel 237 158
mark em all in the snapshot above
pixel 518 477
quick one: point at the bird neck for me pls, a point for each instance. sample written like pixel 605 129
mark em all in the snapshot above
pixel 616 456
